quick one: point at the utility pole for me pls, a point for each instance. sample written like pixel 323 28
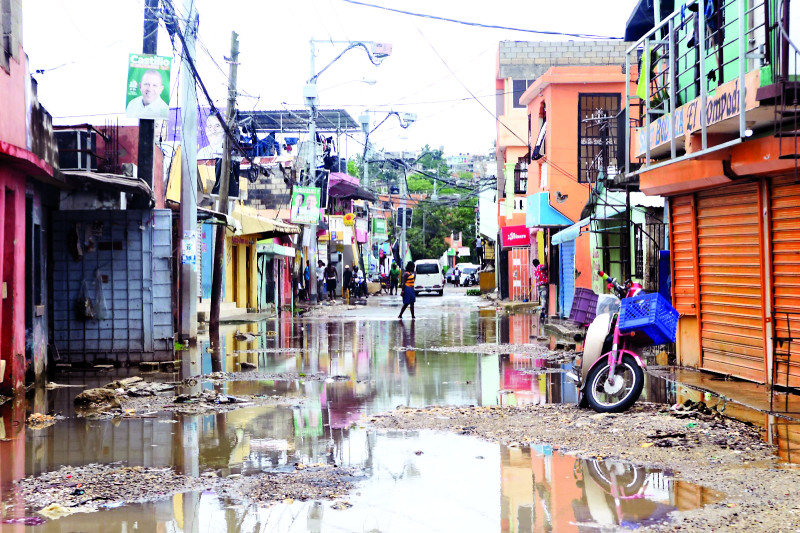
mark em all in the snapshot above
pixel 188 215
pixel 311 178
pixel 224 183
pixel 147 126
pixel 404 193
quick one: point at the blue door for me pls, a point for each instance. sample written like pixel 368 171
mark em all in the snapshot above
pixel 566 282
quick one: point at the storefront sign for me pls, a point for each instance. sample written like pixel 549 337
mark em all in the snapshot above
pixel 148 86
pixel 305 205
pixel 511 236
pixel 722 105
pixel 361 230
pixel 379 226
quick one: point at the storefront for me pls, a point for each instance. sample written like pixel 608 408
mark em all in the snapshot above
pixel 516 244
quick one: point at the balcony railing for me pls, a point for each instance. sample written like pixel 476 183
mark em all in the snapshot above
pixel 695 69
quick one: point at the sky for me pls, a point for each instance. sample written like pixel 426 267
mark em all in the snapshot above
pixel 434 69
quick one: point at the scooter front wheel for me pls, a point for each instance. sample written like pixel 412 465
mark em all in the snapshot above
pixel 618 394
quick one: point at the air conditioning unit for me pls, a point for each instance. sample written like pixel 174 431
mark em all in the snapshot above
pixel 77 149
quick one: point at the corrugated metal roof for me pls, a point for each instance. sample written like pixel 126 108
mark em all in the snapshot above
pixel 328 120
pixel 112 181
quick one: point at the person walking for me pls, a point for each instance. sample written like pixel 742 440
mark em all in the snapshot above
pixel 457 276
pixel 320 281
pixel 409 296
pixel 394 278
pixel 331 276
pixel 347 277
pixel 306 281
pixel 540 273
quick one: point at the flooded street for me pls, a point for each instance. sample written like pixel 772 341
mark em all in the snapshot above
pixel 327 376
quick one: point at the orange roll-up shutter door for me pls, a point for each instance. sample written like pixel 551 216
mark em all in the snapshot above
pixel 684 254
pixel 729 258
pixel 785 204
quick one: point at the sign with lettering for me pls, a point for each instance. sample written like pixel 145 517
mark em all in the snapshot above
pixel 514 236
pixel 721 105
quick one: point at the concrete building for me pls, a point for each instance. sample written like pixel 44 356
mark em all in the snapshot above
pixel 28 171
pixel 720 140
pixel 519 65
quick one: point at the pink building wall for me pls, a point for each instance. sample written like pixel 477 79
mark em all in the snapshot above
pixel 12 276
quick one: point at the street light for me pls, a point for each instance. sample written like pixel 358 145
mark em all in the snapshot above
pixel 406 119
pixel 376 53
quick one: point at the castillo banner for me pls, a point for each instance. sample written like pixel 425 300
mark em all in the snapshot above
pixel 305 205
pixel 148 86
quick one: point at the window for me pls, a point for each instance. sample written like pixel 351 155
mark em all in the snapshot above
pixel 597 127
pixel 427 268
pixel 519 87
pixel 521 177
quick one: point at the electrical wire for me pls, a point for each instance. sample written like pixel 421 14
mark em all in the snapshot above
pixel 524 142
pixel 481 25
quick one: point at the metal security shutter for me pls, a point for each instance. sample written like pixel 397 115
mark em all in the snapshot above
pixel 566 285
pixel 785 203
pixel 730 281
pixel 684 254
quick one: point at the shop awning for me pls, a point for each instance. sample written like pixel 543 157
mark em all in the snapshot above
pixel 606 204
pixel 254 224
pixel 345 186
pixel 541 214
pixel 271 248
pixel 569 234
pixel 642 18
pixel 112 182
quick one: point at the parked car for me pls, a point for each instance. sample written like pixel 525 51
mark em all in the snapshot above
pixel 429 277
pixel 469 276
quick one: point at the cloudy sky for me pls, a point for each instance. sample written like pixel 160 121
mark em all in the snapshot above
pixel 83 45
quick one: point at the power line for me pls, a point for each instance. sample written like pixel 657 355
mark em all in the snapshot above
pixel 524 142
pixel 480 25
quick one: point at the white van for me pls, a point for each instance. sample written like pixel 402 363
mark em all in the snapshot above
pixel 429 277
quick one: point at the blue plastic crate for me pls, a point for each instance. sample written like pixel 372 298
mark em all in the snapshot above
pixel 650 314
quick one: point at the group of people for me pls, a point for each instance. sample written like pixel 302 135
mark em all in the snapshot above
pixel 353 281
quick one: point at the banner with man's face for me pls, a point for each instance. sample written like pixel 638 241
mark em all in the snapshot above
pixel 305 205
pixel 148 86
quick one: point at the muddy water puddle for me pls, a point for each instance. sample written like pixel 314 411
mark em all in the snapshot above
pixel 372 366
pixel 421 481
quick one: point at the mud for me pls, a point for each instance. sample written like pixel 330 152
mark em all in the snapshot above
pixel 699 446
pixel 494 349
pixel 95 487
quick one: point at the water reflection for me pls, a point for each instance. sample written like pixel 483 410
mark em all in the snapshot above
pixel 378 365
pixel 455 484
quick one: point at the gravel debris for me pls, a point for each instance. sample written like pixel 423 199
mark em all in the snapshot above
pixel 312 482
pixel 96 485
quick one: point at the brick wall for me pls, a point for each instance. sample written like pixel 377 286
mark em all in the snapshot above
pixel 531 59
pixel 269 192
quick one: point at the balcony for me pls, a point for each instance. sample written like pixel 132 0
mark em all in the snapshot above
pixel 699 80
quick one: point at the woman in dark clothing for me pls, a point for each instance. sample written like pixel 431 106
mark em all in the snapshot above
pixel 331 277
pixel 409 296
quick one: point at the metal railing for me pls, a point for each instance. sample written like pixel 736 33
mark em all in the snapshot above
pixel 685 56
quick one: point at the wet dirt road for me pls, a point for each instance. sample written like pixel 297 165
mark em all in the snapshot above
pixel 363 361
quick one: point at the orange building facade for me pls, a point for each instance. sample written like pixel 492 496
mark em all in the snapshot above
pixel 724 150
pixel 562 105
pixel 520 66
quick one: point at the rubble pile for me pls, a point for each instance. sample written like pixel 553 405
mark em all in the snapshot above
pixel 312 482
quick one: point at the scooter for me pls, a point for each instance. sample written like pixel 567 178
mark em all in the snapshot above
pixel 611 368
